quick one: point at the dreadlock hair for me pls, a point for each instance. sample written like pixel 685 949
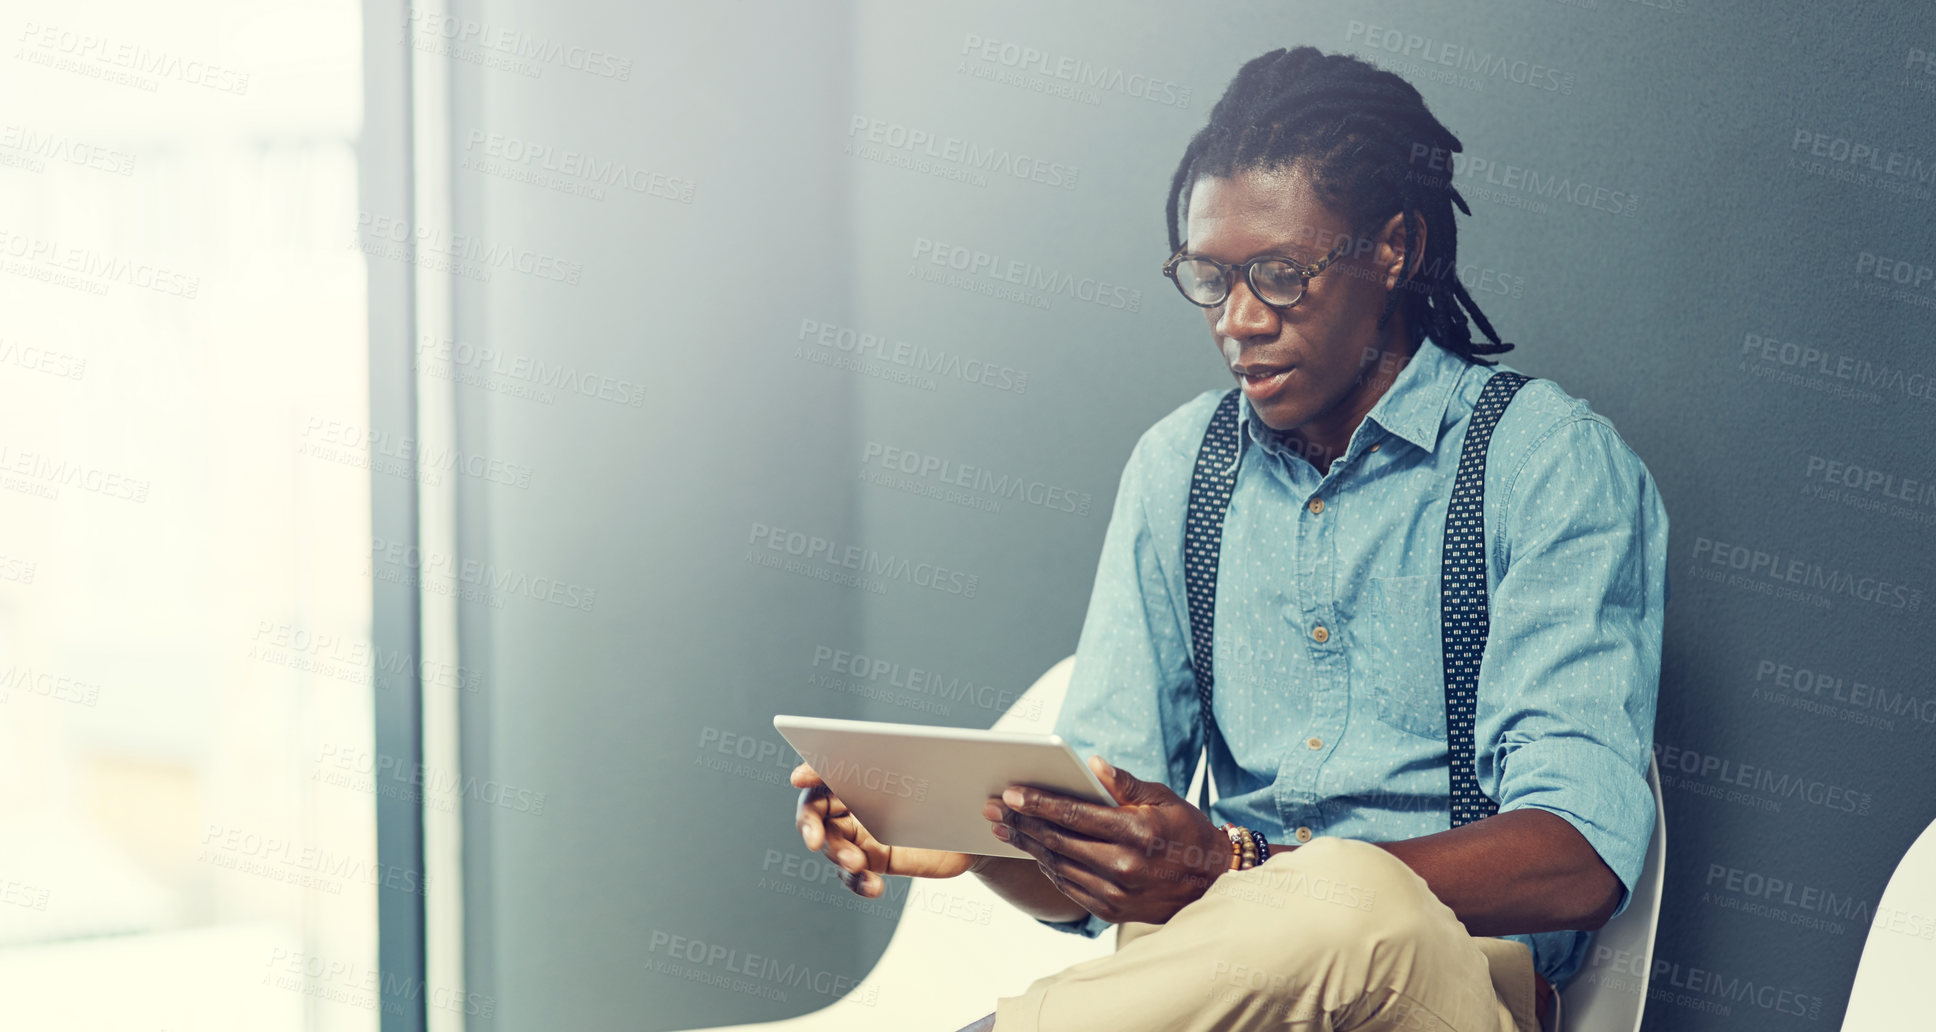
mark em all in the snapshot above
pixel 1356 130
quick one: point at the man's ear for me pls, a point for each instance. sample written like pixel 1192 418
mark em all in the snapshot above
pixel 1399 252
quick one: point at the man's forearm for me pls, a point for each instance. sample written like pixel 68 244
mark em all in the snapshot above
pixel 1520 871
pixel 1020 881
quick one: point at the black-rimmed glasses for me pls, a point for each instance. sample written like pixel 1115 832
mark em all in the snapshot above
pixel 1277 281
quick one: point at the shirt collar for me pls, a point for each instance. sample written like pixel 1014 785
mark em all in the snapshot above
pixel 1413 407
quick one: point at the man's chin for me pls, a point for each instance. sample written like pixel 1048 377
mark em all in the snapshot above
pixel 1280 415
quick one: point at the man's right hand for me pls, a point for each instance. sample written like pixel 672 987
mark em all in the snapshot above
pixel 829 827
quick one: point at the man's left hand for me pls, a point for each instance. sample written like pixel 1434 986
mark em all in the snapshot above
pixel 1141 860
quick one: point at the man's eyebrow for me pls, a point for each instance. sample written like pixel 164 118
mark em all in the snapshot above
pixel 1304 254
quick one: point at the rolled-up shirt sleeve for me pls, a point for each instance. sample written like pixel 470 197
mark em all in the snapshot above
pixel 1571 669
pixel 1131 695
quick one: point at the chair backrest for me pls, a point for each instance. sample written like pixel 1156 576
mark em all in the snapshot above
pixel 1036 710
pixel 1893 988
pixel 1610 992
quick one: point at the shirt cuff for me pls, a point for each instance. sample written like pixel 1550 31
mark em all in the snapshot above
pixel 1587 785
pixel 1088 925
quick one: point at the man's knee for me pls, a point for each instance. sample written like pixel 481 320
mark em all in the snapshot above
pixel 1333 895
pixel 1349 871
pixel 1336 928
pixel 1314 930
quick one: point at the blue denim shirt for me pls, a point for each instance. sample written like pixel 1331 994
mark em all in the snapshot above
pixel 1347 736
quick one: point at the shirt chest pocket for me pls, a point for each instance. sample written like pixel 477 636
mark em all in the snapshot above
pixel 1397 667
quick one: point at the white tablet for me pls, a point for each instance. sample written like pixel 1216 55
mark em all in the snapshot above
pixel 924 787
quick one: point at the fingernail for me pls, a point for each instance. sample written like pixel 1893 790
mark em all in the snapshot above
pixel 1013 797
pixel 1001 832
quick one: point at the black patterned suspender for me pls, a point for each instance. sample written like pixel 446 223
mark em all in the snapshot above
pixel 1463 613
pixel 1210 483
pixel 1464 617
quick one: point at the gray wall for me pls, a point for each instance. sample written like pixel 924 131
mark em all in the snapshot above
pixel 642 717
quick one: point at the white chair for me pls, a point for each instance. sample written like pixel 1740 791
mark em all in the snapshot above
pixel 1892 981
pixel 908 989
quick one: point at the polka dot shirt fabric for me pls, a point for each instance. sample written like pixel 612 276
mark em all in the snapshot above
pixel 1329 696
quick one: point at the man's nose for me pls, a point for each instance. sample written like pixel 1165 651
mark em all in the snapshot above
pixel 1244 316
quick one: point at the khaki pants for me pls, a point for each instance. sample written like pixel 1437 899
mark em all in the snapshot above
pixel 1338 935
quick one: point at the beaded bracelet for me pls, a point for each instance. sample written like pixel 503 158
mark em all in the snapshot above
pixel 1244 853
pixel 1263 845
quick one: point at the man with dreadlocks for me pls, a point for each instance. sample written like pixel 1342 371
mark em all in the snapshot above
pixel 1424 814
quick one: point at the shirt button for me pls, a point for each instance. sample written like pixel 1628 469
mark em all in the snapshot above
pixel 1303 835
pixel 1374 447
pixel 1320 635
pixel 1316 506
pixel 1315 743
